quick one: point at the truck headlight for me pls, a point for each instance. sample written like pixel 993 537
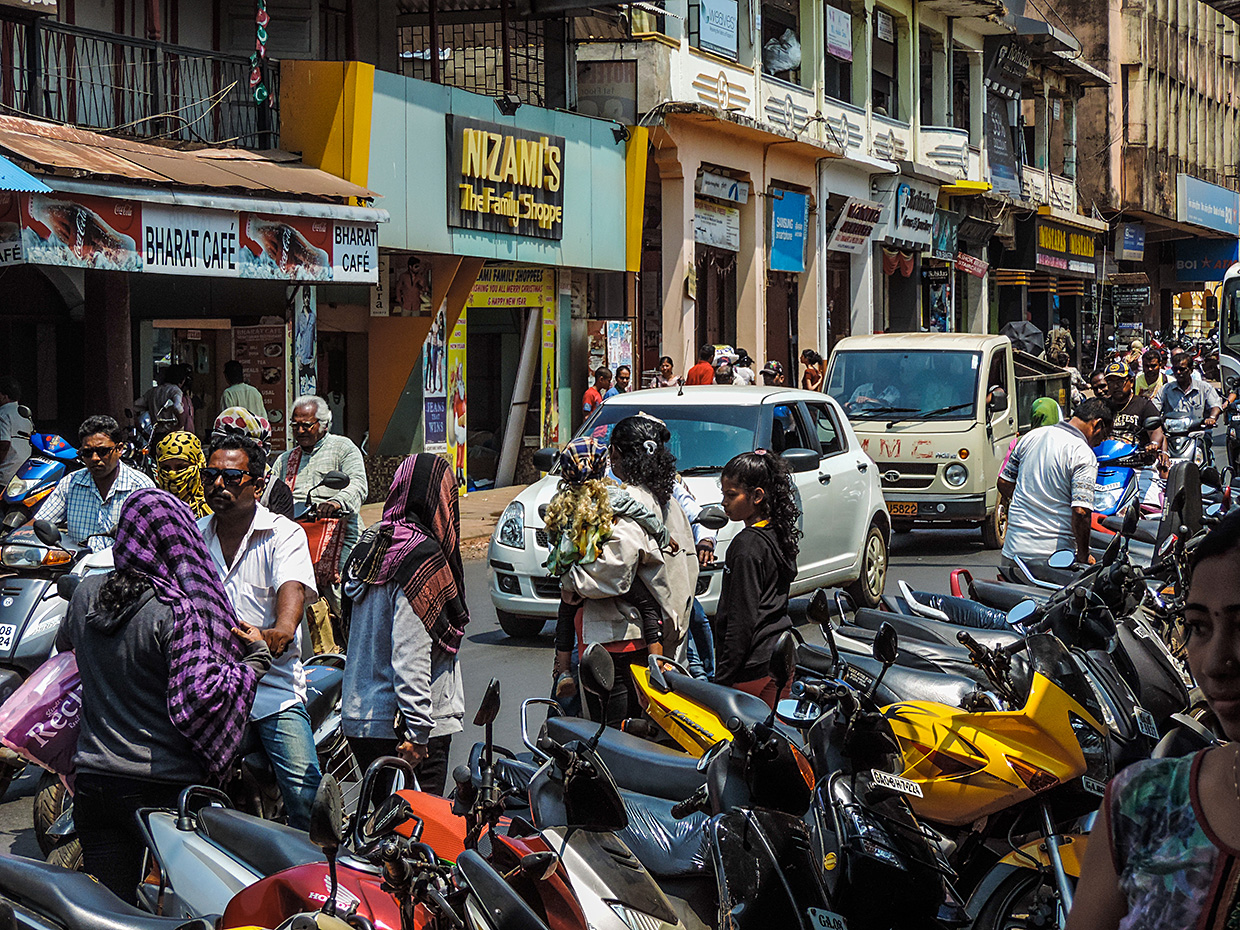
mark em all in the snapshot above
pixel 512 526
pixel 955 475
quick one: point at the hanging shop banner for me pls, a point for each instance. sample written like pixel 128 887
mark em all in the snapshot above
pixel 910 209
pixel 513 286
pixel 1204 259
pixel 381 290
pixel 789 221
pixel 717 27
pixel 10 229
pixel 855 227
pixel 261 350
pixel 1007 62
pixel 502 179
pixel 550 418
pixel 935 274
pixel 1206 204
pixel 303 310
pixel 1130 242
pixel 435 384
pixel 722 187
pixel 1004 168
pixel 717 225
pixel 943 235
pixel 81 231
pixel 1064 249
pixel 971 264
pixel 839 33
pixel 1130 296
pixel 457 420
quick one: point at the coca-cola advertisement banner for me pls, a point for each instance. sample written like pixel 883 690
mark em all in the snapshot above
pixel 120 235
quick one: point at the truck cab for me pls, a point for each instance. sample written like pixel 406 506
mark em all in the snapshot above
pixel 937 413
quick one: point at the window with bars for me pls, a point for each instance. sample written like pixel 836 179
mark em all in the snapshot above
pixel 471 57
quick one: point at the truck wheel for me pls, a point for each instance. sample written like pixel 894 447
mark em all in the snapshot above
pixel 50 798
pixel 994 528
pixel 867 591
pixel 519 627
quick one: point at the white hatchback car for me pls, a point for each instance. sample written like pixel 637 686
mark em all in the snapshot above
pixel 843 515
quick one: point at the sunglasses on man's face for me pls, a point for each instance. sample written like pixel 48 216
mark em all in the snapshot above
pixel 1183 371
pixel 96 452
pixel 233 477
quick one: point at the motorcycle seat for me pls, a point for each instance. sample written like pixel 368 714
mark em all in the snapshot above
pixel 927 630
pixel 636 764
pixel 1142 533
pixel 667 847
pixel 918 655
pixel 726 703
pixel 1004 595
pixel 264 846
pixel 900 683
pixel 323 686
pixel 76 901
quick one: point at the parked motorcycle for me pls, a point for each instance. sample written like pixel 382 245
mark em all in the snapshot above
pixel 51 458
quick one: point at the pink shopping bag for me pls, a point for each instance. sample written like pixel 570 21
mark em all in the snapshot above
pixel 40 720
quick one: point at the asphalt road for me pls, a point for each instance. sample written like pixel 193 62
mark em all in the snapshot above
pixel 922 558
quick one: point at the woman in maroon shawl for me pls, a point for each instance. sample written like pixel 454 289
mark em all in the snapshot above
pixel 405 613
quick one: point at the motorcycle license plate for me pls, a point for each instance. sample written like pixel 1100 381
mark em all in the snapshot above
pixel 896 783
pixel 902 509
pixel 820 919
pixel 1145 722
pixel 7 632
pixel 1093 786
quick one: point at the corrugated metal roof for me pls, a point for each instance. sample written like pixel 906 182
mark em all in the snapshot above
pixel 65 151
pixel 13 178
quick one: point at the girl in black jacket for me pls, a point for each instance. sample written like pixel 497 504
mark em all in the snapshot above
pixel 761 564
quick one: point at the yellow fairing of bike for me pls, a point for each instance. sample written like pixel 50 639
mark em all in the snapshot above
pixel 691 725
pixel 1033 855
pixel 969 765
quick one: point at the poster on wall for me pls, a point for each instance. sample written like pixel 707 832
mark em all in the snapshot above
pixel 550 419
pixel 303 310
pixel 409 285
pixel 789 222
pixel 717 225
pixel 839 33
pixel 1004 169
pixel 435 384
pixel 608 90
pixel 81 232
pixel 596 347
pixel 261 352
pixel 717 27
pixel 381 290
pixel 457 420
pixel 619 345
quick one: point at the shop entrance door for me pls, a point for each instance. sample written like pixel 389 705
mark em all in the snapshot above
pixel 781 319
pixel 716 296
pixel 839 296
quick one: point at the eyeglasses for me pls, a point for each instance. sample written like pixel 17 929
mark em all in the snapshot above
pixel 233 477
pixel 96 452
pixel 299 427
pixel 1187 370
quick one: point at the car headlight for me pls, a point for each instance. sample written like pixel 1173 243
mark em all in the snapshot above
pixel 955 474
pixel 511 530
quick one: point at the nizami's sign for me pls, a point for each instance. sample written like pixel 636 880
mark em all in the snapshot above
pixel 502 179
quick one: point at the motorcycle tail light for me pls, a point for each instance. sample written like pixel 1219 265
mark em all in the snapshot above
pixel 1035 779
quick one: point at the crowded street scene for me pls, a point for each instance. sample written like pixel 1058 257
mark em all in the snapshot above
pixel 660 465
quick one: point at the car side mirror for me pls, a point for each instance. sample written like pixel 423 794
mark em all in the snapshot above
pixel 544 459
pixel 712 517
pixel 783 664
pixel 998 401
pixel 598 671
pixel 47 533
pixel 488 707
pixel 327 815
pixel 801 460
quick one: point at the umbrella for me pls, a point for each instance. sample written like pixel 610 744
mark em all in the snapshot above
pixel 1025 336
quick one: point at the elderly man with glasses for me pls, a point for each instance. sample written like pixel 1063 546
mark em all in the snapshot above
pixel 88 502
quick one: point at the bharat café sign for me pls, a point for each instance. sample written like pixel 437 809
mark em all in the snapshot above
pixel 502 179
pixel 81 231
pixel 1065 249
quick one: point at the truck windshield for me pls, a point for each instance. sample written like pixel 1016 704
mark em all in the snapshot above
pixel 1231 315
pixel 877 384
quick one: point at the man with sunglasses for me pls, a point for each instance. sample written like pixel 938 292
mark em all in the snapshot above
pixel 1189 396
pixel 89 501
pixel 264 562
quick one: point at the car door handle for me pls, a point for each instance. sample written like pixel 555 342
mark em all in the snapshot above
pixel 824 478
pixel 863 467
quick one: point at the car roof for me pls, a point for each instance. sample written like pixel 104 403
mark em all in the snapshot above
pixel 712 395
pixel 927 341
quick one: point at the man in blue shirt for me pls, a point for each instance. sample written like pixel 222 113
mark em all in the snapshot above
pixel 88 502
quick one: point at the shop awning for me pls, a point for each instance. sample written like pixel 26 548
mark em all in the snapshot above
pixel 965 188
pixel 1098 227
pixel 13 178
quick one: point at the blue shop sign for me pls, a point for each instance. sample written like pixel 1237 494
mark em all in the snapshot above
pixel 789 220
pixel 1204 259
pixel 1207 205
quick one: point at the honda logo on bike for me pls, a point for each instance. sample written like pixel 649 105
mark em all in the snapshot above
pixel 891 475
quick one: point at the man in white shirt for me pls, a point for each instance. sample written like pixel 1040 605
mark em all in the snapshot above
pixel 15 430
pixel 240 393
pixel 264 562
pixel 1050 478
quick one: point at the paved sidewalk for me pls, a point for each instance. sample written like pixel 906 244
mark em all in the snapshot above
pixel 480 511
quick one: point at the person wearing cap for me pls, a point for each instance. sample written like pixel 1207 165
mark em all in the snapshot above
pixel 742 369
pixel 1131 410
pixel 772 374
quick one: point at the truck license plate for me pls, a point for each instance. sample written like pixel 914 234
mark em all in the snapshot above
pixel 826 920
pixel 902 509
pixel 7 630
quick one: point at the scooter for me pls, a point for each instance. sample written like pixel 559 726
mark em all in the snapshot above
pixel 51 458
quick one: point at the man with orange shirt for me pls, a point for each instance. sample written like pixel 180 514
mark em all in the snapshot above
pixel 594 395
pixel 704 371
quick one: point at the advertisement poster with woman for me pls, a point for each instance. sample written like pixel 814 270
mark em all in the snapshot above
pixel 457 422
pixel 435 384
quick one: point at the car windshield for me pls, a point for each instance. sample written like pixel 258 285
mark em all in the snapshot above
pixel 704 437
pixel 905 385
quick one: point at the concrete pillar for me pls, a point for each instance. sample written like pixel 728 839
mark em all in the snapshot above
pixel 751 271
pixel 1041 129
pixel 1069 137
pixel 109 349
pixel 977 305
pixel 941 100
pixel 977 102
pixel 679 309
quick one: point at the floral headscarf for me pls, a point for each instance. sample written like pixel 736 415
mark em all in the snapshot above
pixel 186 482
pixel 237 421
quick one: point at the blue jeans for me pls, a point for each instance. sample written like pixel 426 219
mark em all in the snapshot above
pixel 289 743
pixel 701 643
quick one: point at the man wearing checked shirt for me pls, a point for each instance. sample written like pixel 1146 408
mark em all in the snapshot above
pixel 89 501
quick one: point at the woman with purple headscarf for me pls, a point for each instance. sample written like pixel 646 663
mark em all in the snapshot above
pixel 168 677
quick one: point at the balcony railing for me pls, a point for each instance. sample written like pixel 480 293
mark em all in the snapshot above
pixel 136 87
pixel 1041 186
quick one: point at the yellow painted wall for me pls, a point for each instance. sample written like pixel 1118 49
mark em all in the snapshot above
pixel 325 114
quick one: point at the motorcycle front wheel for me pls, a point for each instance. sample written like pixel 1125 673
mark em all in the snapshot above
pixel 1023 901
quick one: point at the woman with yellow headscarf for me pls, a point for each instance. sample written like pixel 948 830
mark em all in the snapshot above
pixel 178 460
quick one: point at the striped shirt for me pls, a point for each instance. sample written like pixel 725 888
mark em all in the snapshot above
pixel 76 502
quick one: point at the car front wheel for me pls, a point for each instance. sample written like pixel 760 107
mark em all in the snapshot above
pixel 519 627
pixel 867 590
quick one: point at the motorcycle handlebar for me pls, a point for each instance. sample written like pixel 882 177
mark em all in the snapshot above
pixel 695 802
pixel 819 694
pixel 976 649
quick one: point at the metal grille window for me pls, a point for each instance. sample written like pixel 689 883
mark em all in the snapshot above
pixel 471 56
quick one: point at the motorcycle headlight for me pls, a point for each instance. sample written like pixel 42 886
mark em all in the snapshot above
pixel 1106 496
pixel 512 526
pixel 1094 747
pixel 955 475
pixel 638 920
pixel 17 556
pixel 20 487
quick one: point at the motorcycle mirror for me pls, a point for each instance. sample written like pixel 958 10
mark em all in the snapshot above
pixel 796 713
pixel 711 754
pixel 783 664
pixel 598 671
pixel 1131 518
pixel 1213 510
pixel 327 815
pixel 1022 612
pixel 886 644
pixel 1149 424
pixel 1064 558
pixel 128 413
pixel 540 866
pixel 1211 477
pixel 47 533
pixel 66 585
pixel 488 707
pixel 391 814
pixel 335 480
pixel 712 517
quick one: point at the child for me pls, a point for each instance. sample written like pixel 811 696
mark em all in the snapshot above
pixel 761 563
pixel 579 520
